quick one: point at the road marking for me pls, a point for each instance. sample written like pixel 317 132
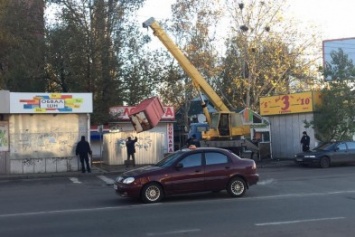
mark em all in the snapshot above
pixel 75 180
pixel 177 232
pixel 77 210
pixel 108 181
pixel 295 195
pixel 266 182
pixel 175 203
pixel 298 221
pixel 254 198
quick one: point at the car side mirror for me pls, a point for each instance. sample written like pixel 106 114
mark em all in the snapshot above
pixel 336 149
pixel 179 166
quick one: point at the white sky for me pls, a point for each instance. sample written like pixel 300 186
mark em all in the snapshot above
pixel 335 18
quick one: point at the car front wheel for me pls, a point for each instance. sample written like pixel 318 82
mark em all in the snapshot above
pixel 324 162
pixel 236 187
pixel 152 193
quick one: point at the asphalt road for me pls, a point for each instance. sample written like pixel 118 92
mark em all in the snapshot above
pixel 288 201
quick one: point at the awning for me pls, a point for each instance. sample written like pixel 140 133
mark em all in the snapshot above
pixel 95 135
pixel 261 129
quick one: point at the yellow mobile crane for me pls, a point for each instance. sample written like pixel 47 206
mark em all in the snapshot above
pixel 226 128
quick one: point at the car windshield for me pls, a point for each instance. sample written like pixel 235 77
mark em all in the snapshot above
pixel 169 160
pixel 324 146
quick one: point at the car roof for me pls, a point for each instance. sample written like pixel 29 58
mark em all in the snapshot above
pixel 203 149
pixel 335 141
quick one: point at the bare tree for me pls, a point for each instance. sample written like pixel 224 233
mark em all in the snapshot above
pixel 266 51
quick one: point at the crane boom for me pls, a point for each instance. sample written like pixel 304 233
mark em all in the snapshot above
pixel 225 127
pixel 185 63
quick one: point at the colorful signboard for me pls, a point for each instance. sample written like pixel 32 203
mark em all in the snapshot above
pixel 31 103
pixel 289 104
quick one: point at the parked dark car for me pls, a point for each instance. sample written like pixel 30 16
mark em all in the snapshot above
pixel 189 171
pixel 328 153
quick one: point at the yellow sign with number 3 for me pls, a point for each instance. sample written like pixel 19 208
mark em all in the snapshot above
pixel 290 103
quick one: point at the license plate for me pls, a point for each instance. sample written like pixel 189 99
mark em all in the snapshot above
pixel 299 159
pixel 115 186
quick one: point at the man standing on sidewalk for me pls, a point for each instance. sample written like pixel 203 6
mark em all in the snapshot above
pixel 83 150
pixel 305 141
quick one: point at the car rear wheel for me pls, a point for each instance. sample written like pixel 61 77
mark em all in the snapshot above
pixel 236 187
pixel 152 193
pixel 324 162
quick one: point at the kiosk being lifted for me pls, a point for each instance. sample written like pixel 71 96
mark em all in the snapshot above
pixel 147 114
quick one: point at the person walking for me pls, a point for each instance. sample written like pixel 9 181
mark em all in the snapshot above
pixel 305 141
pixel 131 149
pixel 83 150
pixel 255 141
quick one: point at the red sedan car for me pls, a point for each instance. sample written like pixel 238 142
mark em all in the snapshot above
pixel 189 171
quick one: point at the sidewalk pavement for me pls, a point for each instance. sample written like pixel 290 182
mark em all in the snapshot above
pixel 102 169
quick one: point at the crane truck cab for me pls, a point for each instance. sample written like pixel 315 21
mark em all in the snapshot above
pixel 197 129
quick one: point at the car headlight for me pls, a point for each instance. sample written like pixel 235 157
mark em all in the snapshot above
pixel 128 180
pixel 310 156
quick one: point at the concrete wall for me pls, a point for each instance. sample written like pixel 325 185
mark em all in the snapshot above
pixel 286 133
pixel 4 162
pixel 41 143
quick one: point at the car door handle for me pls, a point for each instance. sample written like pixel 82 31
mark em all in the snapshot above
pixel 197 171
pixel 228 167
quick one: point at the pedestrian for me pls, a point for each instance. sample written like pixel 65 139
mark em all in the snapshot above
pixel 255 141
pixel 83 150
pixel 131 149
pixel 193 141
pixel 305 140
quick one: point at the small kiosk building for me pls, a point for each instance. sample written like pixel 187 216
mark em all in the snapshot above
pixel 39 131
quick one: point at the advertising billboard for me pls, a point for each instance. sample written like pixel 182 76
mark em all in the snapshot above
pixel 289 104
pixel 31 103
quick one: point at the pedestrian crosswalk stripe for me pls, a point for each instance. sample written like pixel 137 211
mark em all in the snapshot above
pixel 75 180
pixel 108 181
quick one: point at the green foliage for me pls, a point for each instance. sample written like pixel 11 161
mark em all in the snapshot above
pixel 96 47
pixel 22 46
pixel 334 118
pixel 341 67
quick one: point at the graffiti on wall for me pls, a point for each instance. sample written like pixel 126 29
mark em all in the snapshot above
pixel 143 143
pixel 62 143
pixel 44 135
pixel 4 136
pixel 149 147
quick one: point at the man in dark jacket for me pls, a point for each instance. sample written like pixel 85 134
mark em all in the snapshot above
pixel 305 140
pixel 131 149
pixel 83 150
